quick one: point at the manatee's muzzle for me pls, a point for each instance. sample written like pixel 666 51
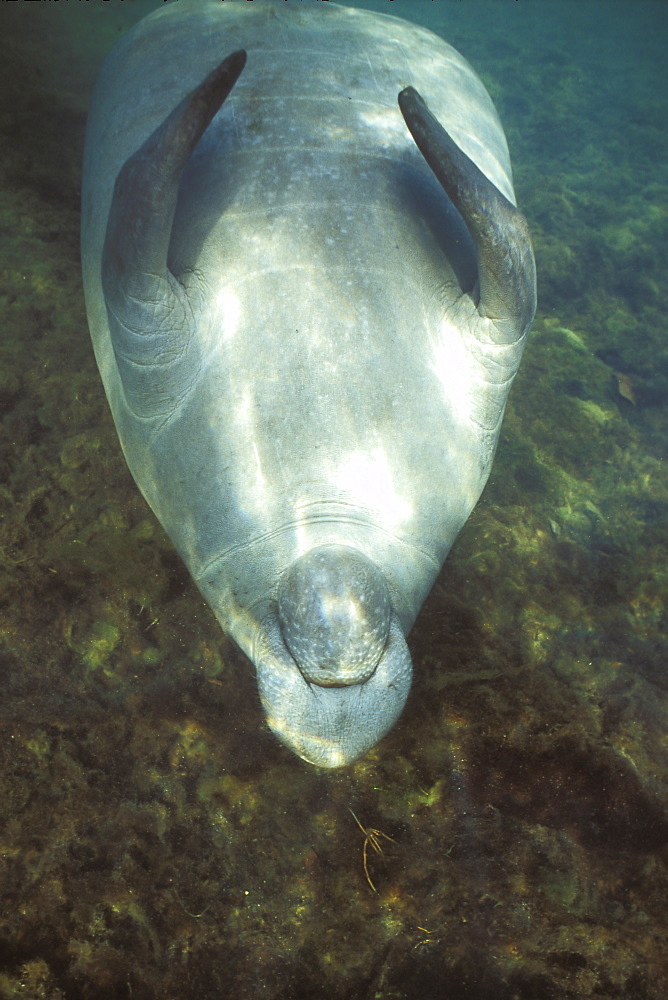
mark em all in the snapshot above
pixel 334 611
pixel 333 669
pixel 331 726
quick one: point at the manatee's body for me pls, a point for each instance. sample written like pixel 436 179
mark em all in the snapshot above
pixel 307 350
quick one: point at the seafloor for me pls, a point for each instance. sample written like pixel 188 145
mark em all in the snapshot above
pixel 155 840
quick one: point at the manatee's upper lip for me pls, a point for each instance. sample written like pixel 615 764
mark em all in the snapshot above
pixel 331 726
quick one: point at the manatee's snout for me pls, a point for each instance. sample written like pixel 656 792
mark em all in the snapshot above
pixel 333 668
pixel 334 611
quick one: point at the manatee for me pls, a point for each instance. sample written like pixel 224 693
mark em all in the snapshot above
pixel 308 288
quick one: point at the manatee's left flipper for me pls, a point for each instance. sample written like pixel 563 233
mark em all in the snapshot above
pixel 150 317
pixel 506 267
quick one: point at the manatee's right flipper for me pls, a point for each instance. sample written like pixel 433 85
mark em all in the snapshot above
pixel 150 317
pixel 506 267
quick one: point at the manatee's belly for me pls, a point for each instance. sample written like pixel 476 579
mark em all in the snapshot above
pixel 325 257
pixel 325 414
pixel 326 410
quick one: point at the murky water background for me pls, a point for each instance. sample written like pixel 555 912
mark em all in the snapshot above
pixel 155 840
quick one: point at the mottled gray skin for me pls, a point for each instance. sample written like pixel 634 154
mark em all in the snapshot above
pixel 306 347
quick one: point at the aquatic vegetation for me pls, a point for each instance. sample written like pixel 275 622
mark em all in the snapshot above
pixel 372 839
